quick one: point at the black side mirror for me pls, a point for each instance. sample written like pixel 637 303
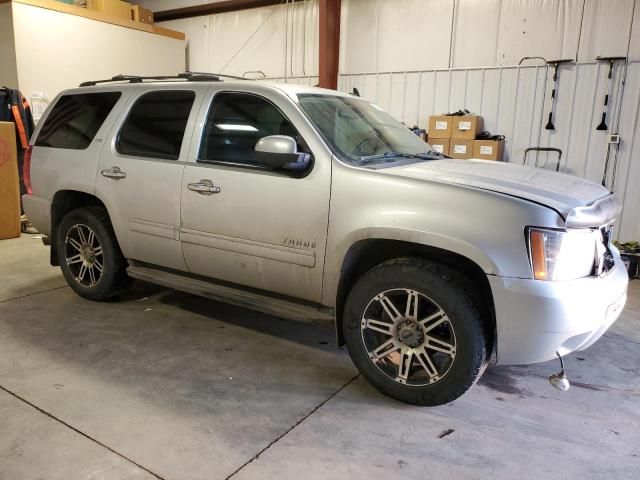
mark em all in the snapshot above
pixel 281 152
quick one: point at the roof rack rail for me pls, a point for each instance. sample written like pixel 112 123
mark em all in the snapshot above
pixel 188 76
pixel 220 75
pixel 130 79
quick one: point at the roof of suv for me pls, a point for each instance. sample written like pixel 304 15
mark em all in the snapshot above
pixel 150 83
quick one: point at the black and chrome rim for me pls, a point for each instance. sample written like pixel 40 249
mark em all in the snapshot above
pixel 408 337
pixel 83 255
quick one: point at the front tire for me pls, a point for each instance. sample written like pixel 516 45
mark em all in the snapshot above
pixel 89 255
pixel 414 332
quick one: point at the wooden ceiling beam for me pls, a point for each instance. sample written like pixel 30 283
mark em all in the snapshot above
pixel 213 8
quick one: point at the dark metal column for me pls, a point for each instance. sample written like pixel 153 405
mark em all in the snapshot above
pixel 329 54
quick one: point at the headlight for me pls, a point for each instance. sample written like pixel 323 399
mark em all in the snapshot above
pixel 561 255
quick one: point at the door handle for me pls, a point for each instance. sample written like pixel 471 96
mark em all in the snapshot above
pixel 113 172
pixel 204 187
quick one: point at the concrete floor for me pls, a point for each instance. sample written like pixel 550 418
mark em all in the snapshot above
pixel 166 385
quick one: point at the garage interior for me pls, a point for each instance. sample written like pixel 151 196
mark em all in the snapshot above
pixel 167 385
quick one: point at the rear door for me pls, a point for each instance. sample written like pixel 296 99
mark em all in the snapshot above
pixel 69 139
pixel 258 227
pixel 140 171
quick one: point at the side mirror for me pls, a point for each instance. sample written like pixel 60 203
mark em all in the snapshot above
pixel 281 152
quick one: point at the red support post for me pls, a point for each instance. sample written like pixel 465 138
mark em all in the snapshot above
pixel 329 54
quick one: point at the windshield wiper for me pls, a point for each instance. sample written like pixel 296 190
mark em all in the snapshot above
pixel 430 155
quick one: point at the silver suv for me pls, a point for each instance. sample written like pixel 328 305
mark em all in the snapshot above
pixel 314 205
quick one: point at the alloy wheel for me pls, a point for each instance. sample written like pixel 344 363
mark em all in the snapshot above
pixel 83 255
pixel 408 337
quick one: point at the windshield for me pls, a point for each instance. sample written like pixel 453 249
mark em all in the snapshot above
pixel 363 134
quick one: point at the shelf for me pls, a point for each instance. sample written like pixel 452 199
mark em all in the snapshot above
pixel 99 17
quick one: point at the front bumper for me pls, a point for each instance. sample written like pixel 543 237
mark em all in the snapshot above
pixel 534 318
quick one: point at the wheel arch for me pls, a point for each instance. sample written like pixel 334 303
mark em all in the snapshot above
pixel 365 254
pixel 62 203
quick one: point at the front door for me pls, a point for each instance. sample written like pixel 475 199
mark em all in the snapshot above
pixel 140 172
pixel 243 222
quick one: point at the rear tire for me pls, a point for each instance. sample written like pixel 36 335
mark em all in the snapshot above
pixel 414 332
pixel 90 258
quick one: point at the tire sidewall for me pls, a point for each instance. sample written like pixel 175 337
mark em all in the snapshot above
pixel 464 318
pixel 110 253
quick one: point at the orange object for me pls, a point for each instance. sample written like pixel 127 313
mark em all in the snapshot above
pixel 21 130
pixel 538 255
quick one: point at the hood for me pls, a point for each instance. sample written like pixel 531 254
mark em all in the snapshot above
pixel 566 194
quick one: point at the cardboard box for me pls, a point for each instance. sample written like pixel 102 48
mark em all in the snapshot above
pixel 461 148
pixel 466 126
pixel 488 149
pixel 113 8
pixel 440 126
pixel 9 186
pixel 141 14
pixel 440 145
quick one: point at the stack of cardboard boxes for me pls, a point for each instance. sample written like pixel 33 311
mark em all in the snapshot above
pixel 455 136
pixel 122 10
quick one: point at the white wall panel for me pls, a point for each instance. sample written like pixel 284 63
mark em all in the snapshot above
pixel 474 90
pixel 527 114
pixel 50 59
pixel 628 175
pixel 634 41
pixel 399 35
pixel 358 36
pixel 605 28
pixel 414 34
pixel 457 89
pixel 476 27
pixel 514 101
pixel 8 71
pixel 248 40
pixel 548 28
pixel 392 35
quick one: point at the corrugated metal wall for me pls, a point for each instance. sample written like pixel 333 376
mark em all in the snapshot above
pixel 515 102
pixel 422 57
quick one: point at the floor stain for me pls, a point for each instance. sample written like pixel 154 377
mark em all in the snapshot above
pixel 588 386
pixel 503 381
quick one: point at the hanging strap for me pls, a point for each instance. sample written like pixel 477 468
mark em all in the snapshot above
pixel 17 118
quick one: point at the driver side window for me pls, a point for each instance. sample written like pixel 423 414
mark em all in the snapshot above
pixel 235 123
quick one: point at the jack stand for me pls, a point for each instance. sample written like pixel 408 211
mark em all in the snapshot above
pixel 559 380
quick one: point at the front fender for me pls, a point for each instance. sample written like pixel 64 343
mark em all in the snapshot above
pixel 485 227
pixel 335 262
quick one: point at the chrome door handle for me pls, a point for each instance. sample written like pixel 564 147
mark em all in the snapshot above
pixel 204 187
pixel 113 172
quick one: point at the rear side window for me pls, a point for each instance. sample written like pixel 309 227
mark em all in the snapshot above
pixel 155 125
pixel 75 120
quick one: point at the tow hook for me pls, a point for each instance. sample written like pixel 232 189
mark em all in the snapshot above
pixel 559 380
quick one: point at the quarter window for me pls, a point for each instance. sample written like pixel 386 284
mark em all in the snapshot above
pixel 236 122
pixel 156 124
pixel 75 120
